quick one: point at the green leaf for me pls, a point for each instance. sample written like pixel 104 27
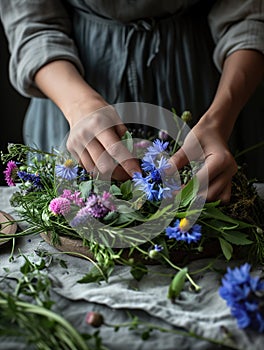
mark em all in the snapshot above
pixel 26 267
pixel 160 213
pixel 110 217
pixel 86 187
pixel 63 263
pixel 237 237
pixel 226 248
pixel 128 141
pixel 188 193
pixel 126 189
pixel 93 276
pixel 177 284
pixel 138 270
pixel 115 190
pixel 219 215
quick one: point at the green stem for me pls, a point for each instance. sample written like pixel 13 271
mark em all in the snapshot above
pixel 34 309
pixel 249 149
pixel 184 333
pixel 196 287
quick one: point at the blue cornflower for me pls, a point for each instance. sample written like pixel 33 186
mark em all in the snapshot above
pixel 244 294
pixel 67 171
pixel 158 247
pixel 158 146
pixel 154 182
pixel 34 179
pixel 147 163
pixel 182 231
pixel 145 186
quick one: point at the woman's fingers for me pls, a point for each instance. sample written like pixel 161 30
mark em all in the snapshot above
pixel 215 176
pixel 95 142
pixel 118 151
pixel 218 165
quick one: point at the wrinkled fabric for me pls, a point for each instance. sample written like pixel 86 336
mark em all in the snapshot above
pixel 205 313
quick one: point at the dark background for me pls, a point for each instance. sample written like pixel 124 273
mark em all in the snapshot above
pixel 13 105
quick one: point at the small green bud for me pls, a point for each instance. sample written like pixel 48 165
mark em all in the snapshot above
pixel 259 230
pixel 186 116
pixel 153 254
pixel 200 249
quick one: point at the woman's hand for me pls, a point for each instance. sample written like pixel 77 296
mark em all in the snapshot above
pixel 95 127
pixel 205 143
pixel 242 71
pixel 95 141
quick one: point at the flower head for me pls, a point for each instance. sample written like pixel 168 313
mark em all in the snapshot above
pixel 60 206
pixel 158 147
pixel 10 173
pixel 67 171
pixel 94 319
pixel 183 231
pixel 99 205
pixel 244 294
pixel 74 197
pixel 146 186
pixel 154 182
pixel 163 135
pixel 34 179
pixel 81 217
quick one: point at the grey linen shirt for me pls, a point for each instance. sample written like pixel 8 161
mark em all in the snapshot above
pixel 39 31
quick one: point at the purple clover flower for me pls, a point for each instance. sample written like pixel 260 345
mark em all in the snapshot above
pixel 100 205
pixel 97 206
pixel 60 206
pixel 10 173
pixel 81 217
pixel 74 197
pixel 181 231
pixel 163 135
pixel 244 294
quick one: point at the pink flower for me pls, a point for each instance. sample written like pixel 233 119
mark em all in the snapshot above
pixel 142 144
pixel 10 173
pixel 73 197
pixel 60 206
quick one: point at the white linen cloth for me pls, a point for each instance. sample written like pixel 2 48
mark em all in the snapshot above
pixel 204 313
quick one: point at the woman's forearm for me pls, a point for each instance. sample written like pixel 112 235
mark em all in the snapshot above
pixel 62 83
pixel 95 132
pixel 243 71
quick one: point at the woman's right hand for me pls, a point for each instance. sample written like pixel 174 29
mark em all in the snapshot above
pixel 95 127
pixel 95 141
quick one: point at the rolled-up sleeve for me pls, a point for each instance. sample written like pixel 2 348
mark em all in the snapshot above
pixel 236 25
pixel 38 32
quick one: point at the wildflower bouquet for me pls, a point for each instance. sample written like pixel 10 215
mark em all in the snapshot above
pixel 151 218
